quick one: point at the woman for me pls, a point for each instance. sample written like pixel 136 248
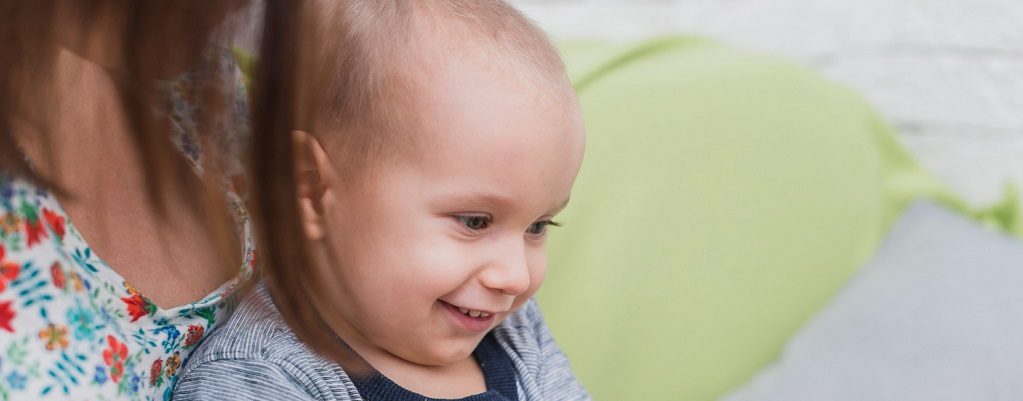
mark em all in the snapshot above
pixel 115 255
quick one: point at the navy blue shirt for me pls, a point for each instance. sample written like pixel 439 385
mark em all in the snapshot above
pixel 498 371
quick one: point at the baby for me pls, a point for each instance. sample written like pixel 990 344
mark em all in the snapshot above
pixel 452 140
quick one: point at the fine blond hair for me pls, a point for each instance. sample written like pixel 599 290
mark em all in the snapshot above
pixel 370 51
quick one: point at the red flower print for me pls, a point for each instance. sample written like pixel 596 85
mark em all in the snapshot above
pixel 228 290
pixel 6 315
pixel 156 372
pixel 252 260
pixel 172 365
pixel 194 335
pixel 114 357
pixel 139 306
pixel 55 221
pixel 8 270
pixel 58 275
pixel 9 224
pixel 55 337
pixel 34 231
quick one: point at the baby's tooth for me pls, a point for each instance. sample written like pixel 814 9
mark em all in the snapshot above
pixel 463 310
pixel 484 314
pixel 474 313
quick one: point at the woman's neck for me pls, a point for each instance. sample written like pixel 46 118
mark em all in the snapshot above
pixel 86 150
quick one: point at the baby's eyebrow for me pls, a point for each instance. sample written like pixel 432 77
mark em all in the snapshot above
pixel 481 198
pixel 494 199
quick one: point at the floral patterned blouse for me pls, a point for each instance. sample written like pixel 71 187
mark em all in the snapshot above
pixel 71 328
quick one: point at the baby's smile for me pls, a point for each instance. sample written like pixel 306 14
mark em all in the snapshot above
pixel 471 319
pixel 473 313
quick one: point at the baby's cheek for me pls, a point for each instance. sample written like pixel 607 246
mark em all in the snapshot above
pixel 536 277
pixel 519 301
pixel 537 270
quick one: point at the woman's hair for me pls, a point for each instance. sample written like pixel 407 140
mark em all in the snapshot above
pixel 34 32
pixel 344 84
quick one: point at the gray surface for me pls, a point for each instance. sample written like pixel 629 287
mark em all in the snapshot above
pixel 937 315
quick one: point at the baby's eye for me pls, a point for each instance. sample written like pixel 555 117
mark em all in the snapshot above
pixel 474 223
pixel 540 227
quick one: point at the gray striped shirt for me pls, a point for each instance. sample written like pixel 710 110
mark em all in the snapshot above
pixel 255 356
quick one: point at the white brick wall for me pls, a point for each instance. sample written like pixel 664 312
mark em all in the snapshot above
pixel 947 73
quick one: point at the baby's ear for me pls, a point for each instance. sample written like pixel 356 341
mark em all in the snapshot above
pixel 310 161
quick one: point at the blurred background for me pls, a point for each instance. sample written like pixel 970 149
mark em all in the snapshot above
pixel 947 74
pixel 799 213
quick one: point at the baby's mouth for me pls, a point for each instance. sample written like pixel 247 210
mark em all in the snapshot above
pixel 471 319
pixel 473 313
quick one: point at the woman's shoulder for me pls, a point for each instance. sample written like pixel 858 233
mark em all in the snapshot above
pixel 256 330
pixel 69 324
pixel 257 343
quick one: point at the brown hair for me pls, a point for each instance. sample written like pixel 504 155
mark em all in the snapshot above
pixel 33 32
pixel 32 37
pixel 275 109
pixel 345 83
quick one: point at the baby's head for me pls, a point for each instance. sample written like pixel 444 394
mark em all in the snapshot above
pixel 452 137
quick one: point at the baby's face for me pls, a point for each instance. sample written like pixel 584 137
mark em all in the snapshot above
pixel 443 244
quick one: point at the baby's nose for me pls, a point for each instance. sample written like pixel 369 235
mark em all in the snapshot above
pixel 508 270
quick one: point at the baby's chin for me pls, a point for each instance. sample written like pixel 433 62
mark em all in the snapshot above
pixel 444 355
pixel 451 352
